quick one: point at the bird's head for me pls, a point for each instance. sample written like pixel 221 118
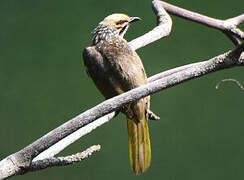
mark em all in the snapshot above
pixel 119 23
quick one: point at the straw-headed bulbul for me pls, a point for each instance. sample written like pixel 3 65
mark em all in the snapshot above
pixel 116 68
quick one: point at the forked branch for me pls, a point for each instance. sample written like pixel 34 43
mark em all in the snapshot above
pixel 228 26
pixel 59 138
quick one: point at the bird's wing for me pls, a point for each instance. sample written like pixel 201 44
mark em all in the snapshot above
pixel 97 70
pixel 92 60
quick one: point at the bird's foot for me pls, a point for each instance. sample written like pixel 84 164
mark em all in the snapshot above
pixel 152 116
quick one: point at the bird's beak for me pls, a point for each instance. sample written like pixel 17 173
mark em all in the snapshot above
pixel 134 19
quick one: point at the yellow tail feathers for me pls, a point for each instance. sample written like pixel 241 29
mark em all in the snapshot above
pixel 139 145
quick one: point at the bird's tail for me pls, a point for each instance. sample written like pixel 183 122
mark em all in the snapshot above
pixel 139 144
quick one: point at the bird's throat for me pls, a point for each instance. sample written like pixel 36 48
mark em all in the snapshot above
pixel 108 34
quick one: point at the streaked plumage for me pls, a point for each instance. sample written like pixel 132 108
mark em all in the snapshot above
pixel 115 68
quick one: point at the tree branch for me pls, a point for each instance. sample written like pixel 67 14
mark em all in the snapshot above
pixel 22 161
pixel 230 80
pixel 226 60
pixel 229 26
pixel 163 29
pixel 65 142
pixel 63 161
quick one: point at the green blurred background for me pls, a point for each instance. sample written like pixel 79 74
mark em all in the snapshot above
pixel 43 84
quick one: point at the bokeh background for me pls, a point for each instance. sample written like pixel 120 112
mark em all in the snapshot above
pixel 43 84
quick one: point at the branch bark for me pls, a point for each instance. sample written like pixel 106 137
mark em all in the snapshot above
pixel 63 161
pixel 62 144
pixel 229 26
pixel 23 160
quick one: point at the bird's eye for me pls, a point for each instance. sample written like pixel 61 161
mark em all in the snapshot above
pixel 120 22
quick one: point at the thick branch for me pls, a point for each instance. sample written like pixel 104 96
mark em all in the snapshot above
pixel 20 162
pixel 223 61
pixel 62 144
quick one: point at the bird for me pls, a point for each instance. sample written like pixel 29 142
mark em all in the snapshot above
pixel 116 68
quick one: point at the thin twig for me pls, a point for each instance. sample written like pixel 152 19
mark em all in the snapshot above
pixel 231 80
pixel 63 161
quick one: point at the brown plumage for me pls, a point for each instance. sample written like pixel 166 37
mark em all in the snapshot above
pixel 115 68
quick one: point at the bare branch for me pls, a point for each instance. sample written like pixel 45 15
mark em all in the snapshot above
pixel 234 39
pixel 171 71
pixel 231 80
pixel 237 20
pixel 65 142
pixel 21 162
pixel 228 26
pixel 163 29
pixel 63 161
